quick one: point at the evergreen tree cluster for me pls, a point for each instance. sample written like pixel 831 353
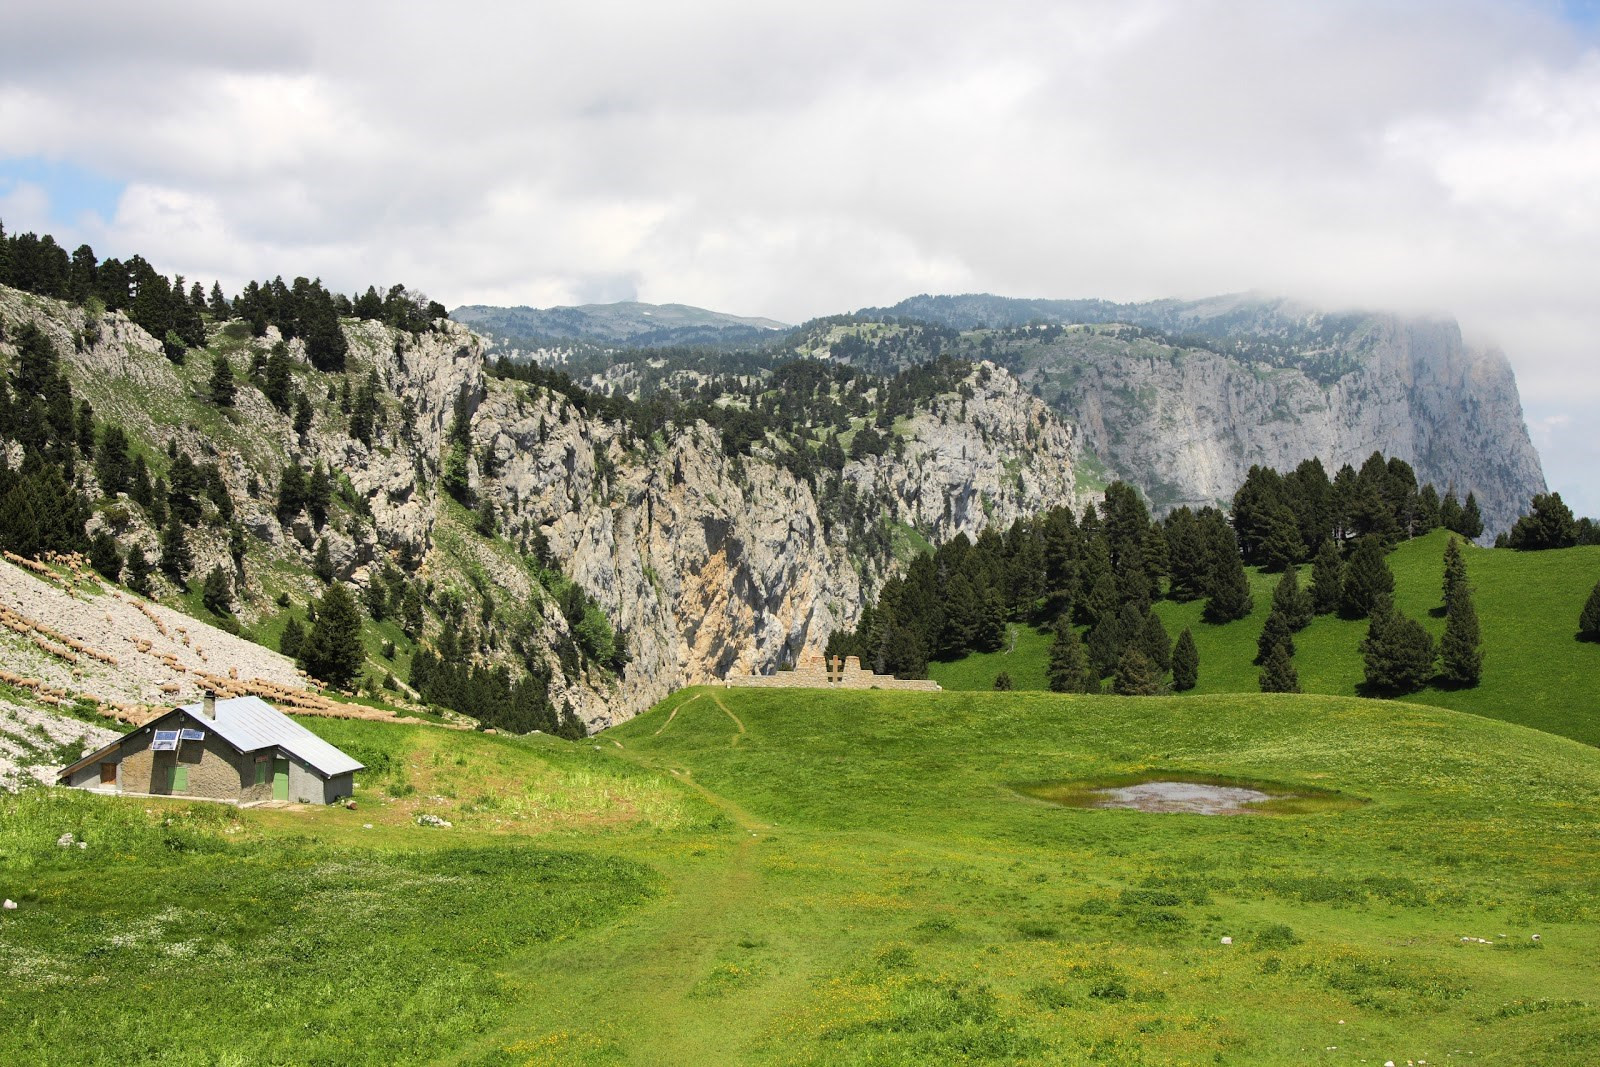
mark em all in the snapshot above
pixel 41 510
pixel 169 310
pixel 1101 572
pixel 304 309
pixel 1286 519
pixel 172 311
pixel 1549 524
pixel 448 676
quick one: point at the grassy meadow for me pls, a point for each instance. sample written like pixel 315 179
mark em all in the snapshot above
pixel 790 877
pixel 1535 671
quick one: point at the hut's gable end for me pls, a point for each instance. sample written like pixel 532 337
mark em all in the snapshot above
pixel 241 754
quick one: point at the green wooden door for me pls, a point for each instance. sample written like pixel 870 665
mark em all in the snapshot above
pixel 178 780
pixel 280 779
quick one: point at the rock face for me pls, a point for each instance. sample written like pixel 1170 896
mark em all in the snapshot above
pixel 973 461
pixel 1188 423
pixel 710 563
pixel 1186 396
pixel 718 566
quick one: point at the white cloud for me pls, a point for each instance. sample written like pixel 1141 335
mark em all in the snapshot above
pixel 25 206
pixel 800 159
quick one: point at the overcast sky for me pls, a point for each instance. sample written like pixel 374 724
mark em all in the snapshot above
pixel 794 160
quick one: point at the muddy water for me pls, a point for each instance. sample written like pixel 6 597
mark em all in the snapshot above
pixel 1192 797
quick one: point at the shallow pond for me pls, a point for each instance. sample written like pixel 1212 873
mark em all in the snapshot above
pixel 1191 794
pixel 1192 797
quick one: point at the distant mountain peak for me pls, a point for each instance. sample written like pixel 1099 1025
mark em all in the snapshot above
pixel 627 323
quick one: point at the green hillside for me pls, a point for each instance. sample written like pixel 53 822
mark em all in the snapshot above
pixel 897 900
pixel 1535 672
pixel 788 877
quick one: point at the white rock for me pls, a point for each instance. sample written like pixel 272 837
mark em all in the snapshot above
pixel 66 840
pixel 10 905
pixel 1227 941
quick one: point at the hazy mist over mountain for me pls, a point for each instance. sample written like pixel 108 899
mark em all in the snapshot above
pixel 793 161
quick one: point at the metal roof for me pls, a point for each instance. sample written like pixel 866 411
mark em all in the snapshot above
pixel 250 723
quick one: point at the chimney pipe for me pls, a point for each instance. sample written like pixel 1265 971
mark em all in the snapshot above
pixel 208 704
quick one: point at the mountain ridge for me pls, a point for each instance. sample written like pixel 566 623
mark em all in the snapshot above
pixel 1181 397
pixel 626 322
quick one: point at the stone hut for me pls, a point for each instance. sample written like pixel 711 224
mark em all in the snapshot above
pixel 815 671
pixel 241 750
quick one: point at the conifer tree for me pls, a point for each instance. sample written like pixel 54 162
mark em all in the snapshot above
pixel 1277 671
pixel 85 429
pixel 332 650
pixel 175 556
pixel 292 638
pixel 1397 654
pixel 1187 562
pixel 1229 590
pixel 218 304
pixel 1589 618
pixel 1282 546
pixel 217 592
pixel 1327 579
pixel 1549 525
pixel 139 486
pixel 1460 658
pixel 1101 602
pixel 158 503
pixel 1455 572
pixel 291 493
pixel 1427 509
pixel 1069 666
pixel 279 379
pixel 1185 662
pixel 1136 675
pixel 104 557
pixel 1450 511
pixel 1366 578
pixel 1471 519
pixel 411 612
pixel 319 494
pixel 1292 602
pixel 322 562
pixel 1274 633
pixel 1003 683
pixel 1106 640
pixel 111 465
pixel 138 571
pixel 1155 644
pixel 221 387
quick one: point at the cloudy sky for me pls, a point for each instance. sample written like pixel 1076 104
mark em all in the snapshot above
pixel 793 160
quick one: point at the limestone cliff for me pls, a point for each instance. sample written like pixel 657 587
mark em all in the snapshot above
pixel 1182 397
pixel 706 561
pixel 716 564
pixel 1188 422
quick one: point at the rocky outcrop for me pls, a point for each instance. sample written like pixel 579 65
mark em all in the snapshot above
pixel 968 462
pixel 719 566
pixel 709 563
pixel 1182 397
pixel 1187 423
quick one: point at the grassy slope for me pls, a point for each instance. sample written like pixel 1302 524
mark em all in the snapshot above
pixel 1535 673
pixel 837 878
pixel 896 901
pixel 198 933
